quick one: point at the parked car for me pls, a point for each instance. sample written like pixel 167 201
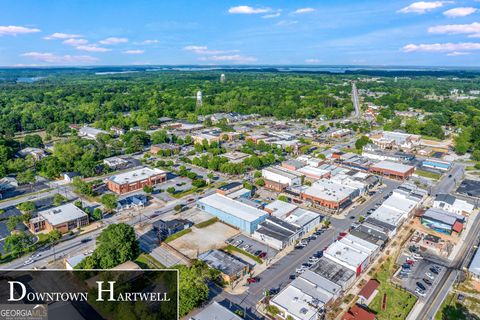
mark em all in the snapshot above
pixel 429 275
pixel 427 281
pixel 410 262
pixel 406 266
pixel 433 270
pixel 292 277
pixel 421 286
pixel 420 292
pixel 262 255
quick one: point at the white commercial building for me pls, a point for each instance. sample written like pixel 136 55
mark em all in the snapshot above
pixel 304 298
pixel 352 252
pixel 233 212
pixel 281 175
pixel 314 172
pixel 89 132
pixel 451 204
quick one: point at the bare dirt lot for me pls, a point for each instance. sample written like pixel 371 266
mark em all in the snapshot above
pixel 200 240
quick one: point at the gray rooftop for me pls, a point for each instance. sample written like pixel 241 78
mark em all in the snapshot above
pixel 62 214
pixel 215 311
pixel 223 262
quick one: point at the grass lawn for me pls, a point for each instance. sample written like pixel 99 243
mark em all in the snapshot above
pixel 146 261
pixel 399 302
pixel 231 248
pixel 428 174
pixel 177 235
pixel 206 223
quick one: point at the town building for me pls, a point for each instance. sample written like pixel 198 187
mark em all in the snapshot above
pixel 334 272
pixel 356 312
pixel 276 233
pixel 201 137
pixel 236 157
pixel 230 188
pixel 352 253
pixel 395 140
pixel 293 164
pixel 329 194
pixel 392 170
pixel 279 176
pixel 340 133
pixel 166 228
pixel 135 201
pixel 442 221
pixel 135 180
pixel 436 164
pixel 305 297
pixel 71 262
pixel 451 204
pixel 233 212
pixel 314 173
pixel 310 161
pixel 90 133
pixel 231 267
pixel 215 311
pixel 36 153
pixel 368 292
pixel 62 218
pixel 115 163
pixel 474 267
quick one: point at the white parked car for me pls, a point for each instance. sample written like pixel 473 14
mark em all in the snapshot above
pixel 420 292
pixel 429 275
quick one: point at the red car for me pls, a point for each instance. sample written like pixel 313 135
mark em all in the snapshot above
pixel 253 280
pixel 262 255
pixel 410 262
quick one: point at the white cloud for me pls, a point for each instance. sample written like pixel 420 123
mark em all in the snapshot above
pixel 92 48
pixel 248 10
pixel 113 40
pixel 460 12
pixel 52 58
pixel 457 53
pixel 59 35
pixel 472 30
pixel 312 60
pixel 285 23
pixel 442 47
pixel 134 51
pixel 270 16
pixel 16 30
pixel 422 7
pixel 147 42
pixel 75 42
pixel 205 50
pixel 236 58
pixel 303 10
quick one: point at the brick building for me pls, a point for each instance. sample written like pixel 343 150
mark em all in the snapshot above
pixel 135 180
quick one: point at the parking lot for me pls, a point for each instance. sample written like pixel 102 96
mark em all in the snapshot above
pixel 418 275
pixel 252 246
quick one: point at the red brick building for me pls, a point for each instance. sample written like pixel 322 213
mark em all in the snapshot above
pixel 392 170
pixel 135 180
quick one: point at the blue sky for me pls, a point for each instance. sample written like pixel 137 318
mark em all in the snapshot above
pixel 121 32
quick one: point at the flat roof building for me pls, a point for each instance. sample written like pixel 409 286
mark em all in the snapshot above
pixel 231 267
pixel 135 180
pixel 282 175
pixel 442 221
pixel 329 194
pixel 305 296
pixel 215 311
pixel 233 212
pixel 351 252
pixel 334 272
pixel 392 169
pixel 62 218
pixel 449 203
